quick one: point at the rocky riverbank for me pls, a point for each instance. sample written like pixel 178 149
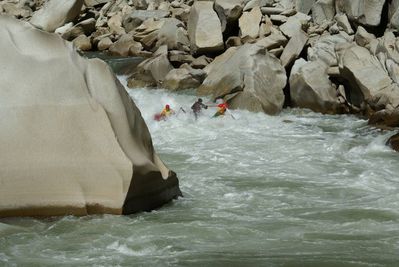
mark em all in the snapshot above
pixel 330 56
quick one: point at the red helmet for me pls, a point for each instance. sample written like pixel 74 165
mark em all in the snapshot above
pixel 167 107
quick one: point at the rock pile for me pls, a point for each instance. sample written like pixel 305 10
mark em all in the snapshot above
pixel 330 56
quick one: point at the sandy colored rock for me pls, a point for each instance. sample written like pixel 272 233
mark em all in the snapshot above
pixel 56 13
pixel 323 10
pixel 82 43
pixel 72 140
pixel 204 28
pixel 311 88
pixel 152 71
pixel 294 48
pixel 369 81
pixel 249 77
pixel 364 12
pixel 104 44
pixel 249 23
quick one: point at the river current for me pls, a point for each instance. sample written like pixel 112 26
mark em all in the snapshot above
pixel 296 189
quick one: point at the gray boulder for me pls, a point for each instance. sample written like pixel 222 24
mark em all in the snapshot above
pixel 152 71
pixel 204 28
pixel 56 13
pixel 311 88
pixel 249 77
pixel 367 13
pixel 369 80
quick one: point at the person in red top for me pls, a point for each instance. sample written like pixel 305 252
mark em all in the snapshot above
pixel 222 107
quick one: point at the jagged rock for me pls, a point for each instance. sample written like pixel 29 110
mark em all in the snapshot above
pixel 61 30
pixel 85 27
pixel 323 10
pixel 167 31
pixel 324 48
pixel 385 118
pixel 82 42
pixel 393 14
pixel 137 17
pixel 285 4
pixel 123 45
pixel 92 3
pixel 201 62
pixel 393 142
pixel 56 13
pixel 115 24
pixel 265 28
pixel 388 45
pixel 343 23
pixel 180 57
pixel 304 6
pixel 228 11
pixel 278 19
pixel 184 77
pixel 104 44
pixel 204 28
pixel 249 23
pixel 294 48
pixel 275 40
pixel 152 71
pixel 181 14
pixel 294 24
pixel 257 3
pixel 87 150
pixel 233 41
pixel 249 77
pixel 369 81
pixel 362 37
pixel 311 88
pixel 367 13
pixel 18 10
pixel 272 10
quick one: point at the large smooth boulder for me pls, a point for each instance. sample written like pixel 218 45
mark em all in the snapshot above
pixel 204 28
pixel 72 140
pixel 369 80
pixel 56 13
pixel 249 77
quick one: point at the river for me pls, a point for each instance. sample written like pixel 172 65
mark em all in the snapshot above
pixel 296 189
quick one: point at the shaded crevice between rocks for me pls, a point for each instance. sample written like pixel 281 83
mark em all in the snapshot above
pixel 288 69
pixel 379 30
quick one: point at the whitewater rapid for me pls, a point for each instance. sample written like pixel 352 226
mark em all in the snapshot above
pixel 296 189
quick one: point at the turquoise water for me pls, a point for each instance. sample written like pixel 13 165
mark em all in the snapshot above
pixel 297 189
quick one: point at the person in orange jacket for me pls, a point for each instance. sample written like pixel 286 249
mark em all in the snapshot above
pixel 166 112
pixel 222 107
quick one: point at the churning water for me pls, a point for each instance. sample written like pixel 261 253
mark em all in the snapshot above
pixel 297 189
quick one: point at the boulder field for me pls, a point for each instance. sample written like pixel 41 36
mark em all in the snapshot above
pixel 337 56
pixel 71 139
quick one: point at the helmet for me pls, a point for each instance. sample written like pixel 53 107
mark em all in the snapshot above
pixel 200 100
pixel 167 106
